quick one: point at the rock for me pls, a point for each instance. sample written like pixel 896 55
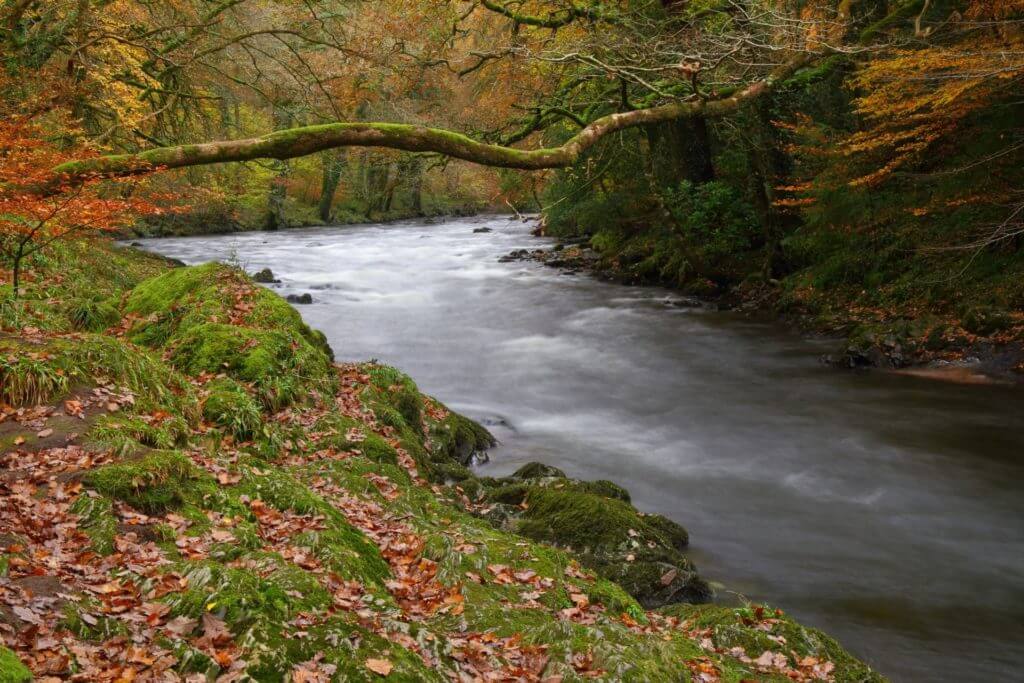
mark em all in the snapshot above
pixel 482 230
pixel 537 470
pixel 135 244
pixel 496 421
pixel 684 302
pixel 595 519
pixel 985 320
pixel 517 255
pixel 265 276
pixel 305 298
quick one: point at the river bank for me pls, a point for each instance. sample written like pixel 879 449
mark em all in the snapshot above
pixel 197 487
pixel 981 347
pixel 827 493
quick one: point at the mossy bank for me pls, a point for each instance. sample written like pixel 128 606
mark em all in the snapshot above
pixel 196 489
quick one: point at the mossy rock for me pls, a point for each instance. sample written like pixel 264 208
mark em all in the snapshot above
pixel 282 367
pixel 654 576
pixel 334 432
pixel 11 668
pixel 514 490
pixel 672 532
pixel 578 520
pixel 985 320
pixel 459 438
pixel 757 629
pixel 229 405
pixel 452 472
pixel 153 483
pixel 185 297
pixel 537 470
pixel 639 552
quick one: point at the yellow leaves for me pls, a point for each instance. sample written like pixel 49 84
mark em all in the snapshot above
pixel 914 98
pixel 994 9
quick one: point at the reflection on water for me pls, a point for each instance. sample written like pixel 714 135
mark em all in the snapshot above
pixel 885 509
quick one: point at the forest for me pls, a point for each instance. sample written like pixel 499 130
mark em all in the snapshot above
pixel 196 484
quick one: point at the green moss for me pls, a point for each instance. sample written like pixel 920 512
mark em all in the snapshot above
pixel 163 292
pixel 185 297
pixel 155 482
pixel 11 668
pixel 97 627
pixel 268 592
pixel 577 520
pixel 409 403
pixel 347 552
pixel 671 532
pixel 756 629
pixel 458 438
pixel 537 470
pixel 616 600
pixel 282 367
pixel 126 434
pixel 97 520
pixel 229 405
pixel 335 431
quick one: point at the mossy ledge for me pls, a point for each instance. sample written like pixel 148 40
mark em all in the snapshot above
pixel 242 505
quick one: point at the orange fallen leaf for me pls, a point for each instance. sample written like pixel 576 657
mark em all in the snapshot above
pixel 379 666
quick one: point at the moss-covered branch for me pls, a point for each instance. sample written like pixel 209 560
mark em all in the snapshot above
pixel 296 142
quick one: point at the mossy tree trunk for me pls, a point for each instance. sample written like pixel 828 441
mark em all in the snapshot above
pixel 333 165
pixel 278 191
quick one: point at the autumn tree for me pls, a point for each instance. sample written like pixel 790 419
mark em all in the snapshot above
pixel 30 221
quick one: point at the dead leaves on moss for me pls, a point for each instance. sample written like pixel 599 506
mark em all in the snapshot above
pixel 45 545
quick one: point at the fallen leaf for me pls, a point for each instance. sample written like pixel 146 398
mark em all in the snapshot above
pixel 379 666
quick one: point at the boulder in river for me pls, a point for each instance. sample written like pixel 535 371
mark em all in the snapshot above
pixel 537 470
pixel 596 520
pixel 265 276
pixel 305 298
pixel 482 230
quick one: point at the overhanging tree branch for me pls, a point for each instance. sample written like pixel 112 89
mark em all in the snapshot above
pixel 297 142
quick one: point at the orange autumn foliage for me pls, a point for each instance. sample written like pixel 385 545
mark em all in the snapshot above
pixel 912 97
pixel 30 220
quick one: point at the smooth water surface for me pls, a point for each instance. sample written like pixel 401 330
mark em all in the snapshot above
pixel 887 510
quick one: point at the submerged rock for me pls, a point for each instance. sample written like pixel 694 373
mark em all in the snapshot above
pixel 482 230
pixel 305 298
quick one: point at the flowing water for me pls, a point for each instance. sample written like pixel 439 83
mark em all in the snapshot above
pixel 885 509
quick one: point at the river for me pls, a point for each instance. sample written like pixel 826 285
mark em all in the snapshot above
pixel 887 510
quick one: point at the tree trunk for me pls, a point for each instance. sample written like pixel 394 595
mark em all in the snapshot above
pixel 770 166
pixel 16 274
pixel 332 167
pixel 681 150
pixel 275 218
